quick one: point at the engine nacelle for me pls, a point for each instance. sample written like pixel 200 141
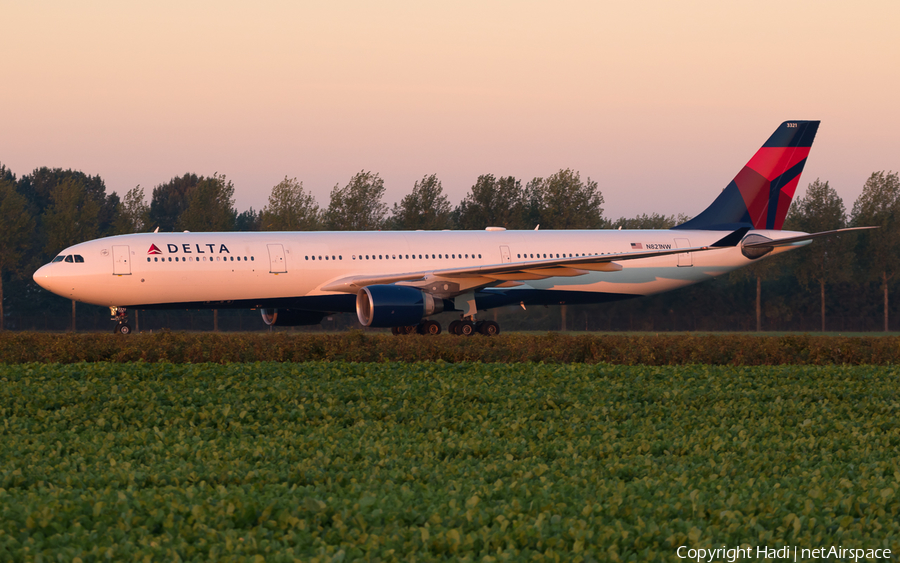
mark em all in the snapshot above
pixel 395 305
pixel 290 317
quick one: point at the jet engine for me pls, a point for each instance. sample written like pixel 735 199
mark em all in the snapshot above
pixel 290 317
pixel 395 305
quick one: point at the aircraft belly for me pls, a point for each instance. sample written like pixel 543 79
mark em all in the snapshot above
pixel 175 286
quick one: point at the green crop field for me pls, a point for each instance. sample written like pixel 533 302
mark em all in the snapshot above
pixel 433 461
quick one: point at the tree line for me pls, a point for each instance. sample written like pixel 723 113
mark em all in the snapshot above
pixel 851 277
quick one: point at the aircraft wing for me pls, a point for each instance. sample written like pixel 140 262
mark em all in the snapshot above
pixel 513 271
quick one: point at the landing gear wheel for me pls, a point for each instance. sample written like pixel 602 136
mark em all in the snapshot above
pixel 432 328
pixel 395 330
pixel 466 328
pixel 411 329
pixel 454 327
pixel 120 315
pixel 489 328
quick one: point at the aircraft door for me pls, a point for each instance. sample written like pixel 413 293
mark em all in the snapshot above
pixel 504 255
pixel 277 265
pixel 684 259
pixel 121 260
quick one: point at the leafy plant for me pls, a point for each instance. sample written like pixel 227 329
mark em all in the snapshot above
pixel 326 461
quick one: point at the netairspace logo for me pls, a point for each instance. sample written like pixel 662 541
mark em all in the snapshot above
pixel 785 553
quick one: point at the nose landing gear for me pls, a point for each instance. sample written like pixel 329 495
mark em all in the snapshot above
pixel 120 315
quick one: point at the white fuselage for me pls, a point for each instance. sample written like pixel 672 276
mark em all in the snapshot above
pixel 255 267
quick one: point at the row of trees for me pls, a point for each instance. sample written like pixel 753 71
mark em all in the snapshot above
pixel 49 209
pixel 560 201
pixel 854 259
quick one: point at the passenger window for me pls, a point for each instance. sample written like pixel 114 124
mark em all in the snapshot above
pixel 148 259
pixel 155 259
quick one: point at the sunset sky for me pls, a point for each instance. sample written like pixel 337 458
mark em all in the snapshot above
pixel 660 102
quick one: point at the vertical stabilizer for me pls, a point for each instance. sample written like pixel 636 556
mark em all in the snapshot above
pixel 761 193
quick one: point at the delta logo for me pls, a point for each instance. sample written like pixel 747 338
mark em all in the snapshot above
pixel 186 248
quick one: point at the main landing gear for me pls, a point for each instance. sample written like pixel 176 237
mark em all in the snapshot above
pixel 467 327
pixel 463 327
pixel 425 327
pixel 120 315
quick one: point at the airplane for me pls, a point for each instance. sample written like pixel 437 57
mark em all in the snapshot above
pixel 398 279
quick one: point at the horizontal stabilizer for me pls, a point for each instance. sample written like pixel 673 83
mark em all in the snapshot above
pixel 791 240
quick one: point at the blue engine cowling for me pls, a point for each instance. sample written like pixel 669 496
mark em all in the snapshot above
pixel 394 305
pixel 290 317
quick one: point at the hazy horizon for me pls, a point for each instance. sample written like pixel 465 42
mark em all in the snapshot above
pixel 660 103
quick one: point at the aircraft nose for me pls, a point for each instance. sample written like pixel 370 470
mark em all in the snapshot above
pixel 40 275
pixel 44 277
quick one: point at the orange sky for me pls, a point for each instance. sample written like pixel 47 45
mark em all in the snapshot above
pixel 660 102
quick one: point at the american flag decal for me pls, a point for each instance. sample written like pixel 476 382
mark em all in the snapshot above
pixel 637 246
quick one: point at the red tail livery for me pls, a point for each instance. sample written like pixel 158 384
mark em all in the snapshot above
pixel 760 194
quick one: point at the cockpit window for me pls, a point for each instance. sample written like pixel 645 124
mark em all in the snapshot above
pixel 58 259
pixel 69 258
pixel 79 258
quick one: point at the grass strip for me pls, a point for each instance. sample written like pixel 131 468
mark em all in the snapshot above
pixel 357 346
